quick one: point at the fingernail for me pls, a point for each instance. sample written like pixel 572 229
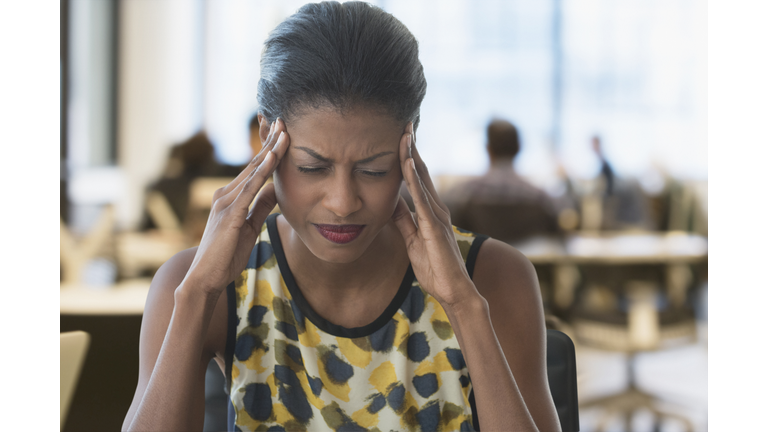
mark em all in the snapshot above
pixel 410 141
pixel 280 140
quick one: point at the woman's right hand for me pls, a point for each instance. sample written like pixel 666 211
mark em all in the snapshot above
pixel 231 229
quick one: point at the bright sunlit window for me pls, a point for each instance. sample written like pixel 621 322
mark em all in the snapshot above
pixel 633 72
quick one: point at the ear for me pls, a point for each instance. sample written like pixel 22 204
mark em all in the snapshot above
pixel 263 128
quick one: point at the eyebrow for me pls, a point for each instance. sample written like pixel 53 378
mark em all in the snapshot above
pixel 315 155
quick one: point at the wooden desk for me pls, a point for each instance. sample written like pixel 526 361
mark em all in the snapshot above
pixel 616 248
pixel 126 298
pixel 112 316
pixel 675 251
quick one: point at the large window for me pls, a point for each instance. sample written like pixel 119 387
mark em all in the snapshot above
pixel 563 70
pixel 635 73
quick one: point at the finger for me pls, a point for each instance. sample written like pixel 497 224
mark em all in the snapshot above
pixel 418 192
pixel 265 202
pixel 249 188
pixel 406 149
pixel 257 179
pixel 433 204
pixel 281 145
pixel 404 222
pixel 423 171
pixel 276 130
pixel 441 214
pixel 252 165
pixel 279 126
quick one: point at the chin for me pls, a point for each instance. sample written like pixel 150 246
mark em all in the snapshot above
pixel 337 257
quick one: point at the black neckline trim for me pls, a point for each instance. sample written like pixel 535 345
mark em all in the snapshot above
pixel 474 249
pixel 314 317
pixel 229 350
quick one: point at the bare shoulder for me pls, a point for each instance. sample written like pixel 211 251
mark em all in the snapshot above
pixel 173 270
pixel 503 274
pixel 161 300
pixel 166 280
pixel 508 281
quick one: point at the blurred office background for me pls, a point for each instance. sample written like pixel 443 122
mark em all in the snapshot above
pixel 625 276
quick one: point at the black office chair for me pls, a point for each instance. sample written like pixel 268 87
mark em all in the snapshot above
pixel 561 372
pixel 508 222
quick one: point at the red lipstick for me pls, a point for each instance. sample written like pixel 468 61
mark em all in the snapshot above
pixel 340 234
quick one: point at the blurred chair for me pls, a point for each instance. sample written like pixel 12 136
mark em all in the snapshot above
pixel 643 327
pixel 201 192
pixel 110 372
pixel 139 252
pixel 73 349
pixel 561 373
pixel 508 222
pixel 161 212
pixel 75 253
pixel 687 207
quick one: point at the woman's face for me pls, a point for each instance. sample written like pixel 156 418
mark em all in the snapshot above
pixel 339 181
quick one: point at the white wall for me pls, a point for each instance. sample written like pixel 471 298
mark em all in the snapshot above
pixel 160 91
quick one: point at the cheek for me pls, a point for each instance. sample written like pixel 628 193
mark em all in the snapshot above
pixel 285 188
pixel 295 194
pixel 386 196
pixel 277 179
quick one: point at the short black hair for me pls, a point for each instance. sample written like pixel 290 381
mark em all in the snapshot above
pixel 341 56
pixel 503 139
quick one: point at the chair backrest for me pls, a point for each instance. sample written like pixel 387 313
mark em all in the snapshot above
pixel 74 346
pixel 508 222
pixel 561 372
pixel 76 252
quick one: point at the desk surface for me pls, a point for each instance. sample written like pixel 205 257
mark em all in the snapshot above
pixel 616 248
pixel 125 298
pixel 128 298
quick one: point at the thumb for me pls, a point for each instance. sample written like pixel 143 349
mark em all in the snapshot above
pixel 404 220
pixel 265 202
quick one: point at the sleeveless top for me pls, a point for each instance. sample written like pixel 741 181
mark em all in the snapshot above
pixel 287 368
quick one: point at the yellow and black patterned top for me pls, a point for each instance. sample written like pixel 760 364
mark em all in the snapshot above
pixel 289 369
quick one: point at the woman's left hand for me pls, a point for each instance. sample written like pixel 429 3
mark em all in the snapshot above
pixel 429 239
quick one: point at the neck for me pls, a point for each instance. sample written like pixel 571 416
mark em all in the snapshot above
pixel 348 294
pixel 501 163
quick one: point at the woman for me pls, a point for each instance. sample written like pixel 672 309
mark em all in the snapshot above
pixel 346 311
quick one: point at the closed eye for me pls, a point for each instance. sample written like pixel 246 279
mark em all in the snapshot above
pixel 310 170
pixel 374 173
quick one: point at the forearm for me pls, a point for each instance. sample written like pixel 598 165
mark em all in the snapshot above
pixel 169 400
pixel 500 405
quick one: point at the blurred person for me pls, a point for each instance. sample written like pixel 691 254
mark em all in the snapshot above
pixel 606 171
pixel 254 144
pixel 501 203
pixel 346 311
pixel 187 161
pixel 624 203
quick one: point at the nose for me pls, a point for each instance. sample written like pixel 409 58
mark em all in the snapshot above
pixel 342 197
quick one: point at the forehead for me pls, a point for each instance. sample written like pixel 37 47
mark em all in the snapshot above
pixel 353 133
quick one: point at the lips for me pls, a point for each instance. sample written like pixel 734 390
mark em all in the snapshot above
pixel 340 234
